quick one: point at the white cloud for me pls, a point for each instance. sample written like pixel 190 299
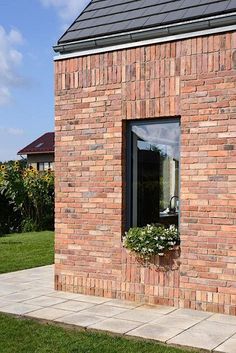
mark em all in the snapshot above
pixel 11 131
pixel 5 95
pixel 12 139
pixel 15 37
pixel 67 10
pixel 10 59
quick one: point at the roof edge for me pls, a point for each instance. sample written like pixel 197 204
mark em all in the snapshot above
pixel 40 152
pixel 183 36
pixel 187 27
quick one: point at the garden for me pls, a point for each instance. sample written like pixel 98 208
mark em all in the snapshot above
pixel 26 250
pixel 26 217
pixel 26 199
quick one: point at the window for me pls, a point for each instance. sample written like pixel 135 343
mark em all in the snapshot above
pixel 39 145
pixel 44 166
pixel 41 166
pixel 153 172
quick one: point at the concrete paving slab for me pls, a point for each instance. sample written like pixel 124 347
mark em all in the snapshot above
pixel 31 286
pixel 180 322
pixel 40 292
pixel 19 282
pixel 80 319
pixel 80 297
pixel 65 295
pixel 18 308
pixel 161 309
pixel 5 281
pixel 5 291
pixel 8 287
pixel 21 296
pixel 48 313
pixel 104 310
pixel 139 315
pixel 191 313
pixel 73 305
pixel 45 301
pixel 115 325
pixel 91 299
pixel 229 346
pixel 198 339
pixel 217 328
pixel 4 302
pixel 155 332
pixel 224 319
pixel 123 304
pixel 43 284
pixel 205 335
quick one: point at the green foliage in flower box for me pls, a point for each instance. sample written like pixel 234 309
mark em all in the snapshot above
pixel 151 240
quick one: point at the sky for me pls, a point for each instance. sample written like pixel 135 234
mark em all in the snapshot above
pixel 28 30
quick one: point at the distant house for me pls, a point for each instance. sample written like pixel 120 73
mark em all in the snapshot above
pixel 40 153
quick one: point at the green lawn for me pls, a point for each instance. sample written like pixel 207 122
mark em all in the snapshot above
pixel 21 251
pixel 27 336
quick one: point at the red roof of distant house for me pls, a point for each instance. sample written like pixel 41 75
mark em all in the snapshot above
pixel 44 144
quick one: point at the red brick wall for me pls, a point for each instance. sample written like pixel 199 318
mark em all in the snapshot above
pixel 95 95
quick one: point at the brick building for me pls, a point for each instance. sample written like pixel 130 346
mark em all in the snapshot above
pixel 132 78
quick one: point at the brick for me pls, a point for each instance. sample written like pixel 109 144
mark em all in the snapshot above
pixel 95 96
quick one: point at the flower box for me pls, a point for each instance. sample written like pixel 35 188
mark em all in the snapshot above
pixel 154 245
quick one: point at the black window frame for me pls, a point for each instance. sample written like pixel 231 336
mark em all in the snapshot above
pixel 129 169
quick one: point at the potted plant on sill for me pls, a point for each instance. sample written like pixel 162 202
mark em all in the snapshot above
pixel 151 243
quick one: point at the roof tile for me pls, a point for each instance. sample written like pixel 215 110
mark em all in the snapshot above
pixel 106 17
pixel 44 144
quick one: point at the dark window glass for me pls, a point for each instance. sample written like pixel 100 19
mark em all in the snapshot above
pixel 153 172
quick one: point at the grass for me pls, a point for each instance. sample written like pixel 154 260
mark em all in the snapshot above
pixel 27 336
pixel 27 250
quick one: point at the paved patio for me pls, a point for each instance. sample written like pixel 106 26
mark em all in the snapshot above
pixel 30 293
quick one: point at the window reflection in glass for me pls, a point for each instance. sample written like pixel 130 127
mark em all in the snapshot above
pixel 155 173
pixel 45 166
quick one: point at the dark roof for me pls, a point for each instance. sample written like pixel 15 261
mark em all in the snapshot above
pixel 44 144
pixel 111 17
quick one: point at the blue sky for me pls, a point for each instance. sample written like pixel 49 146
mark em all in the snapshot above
pixel 28 30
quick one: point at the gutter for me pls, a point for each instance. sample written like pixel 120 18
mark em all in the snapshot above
pixel 187 29
pixel 30 153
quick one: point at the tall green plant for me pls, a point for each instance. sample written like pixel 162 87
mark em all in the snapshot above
pixel 10 220
pixel 29 193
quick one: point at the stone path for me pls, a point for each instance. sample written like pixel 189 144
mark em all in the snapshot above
pixel 30 293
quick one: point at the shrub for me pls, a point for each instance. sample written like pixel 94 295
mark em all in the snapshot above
pixel 28 194
pixel 151 240
pixel 9 219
